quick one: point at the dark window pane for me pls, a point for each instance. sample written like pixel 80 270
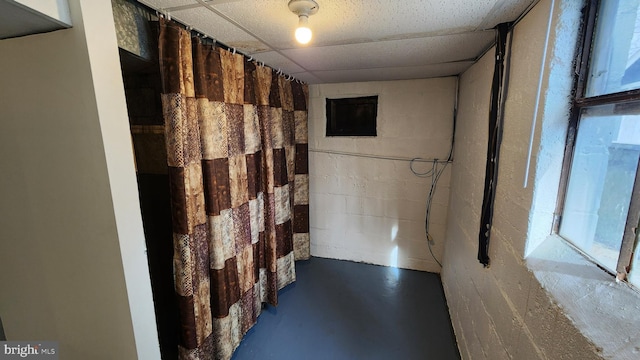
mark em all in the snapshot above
pixel 352 116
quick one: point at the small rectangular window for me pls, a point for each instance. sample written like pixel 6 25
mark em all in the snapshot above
pixel 352 116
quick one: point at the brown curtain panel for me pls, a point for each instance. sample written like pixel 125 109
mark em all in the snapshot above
pixel 236 136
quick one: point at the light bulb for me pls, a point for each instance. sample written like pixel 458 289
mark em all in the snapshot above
pixel 303 33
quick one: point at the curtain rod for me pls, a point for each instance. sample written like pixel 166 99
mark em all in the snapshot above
pixel 215 42
pixel 166 14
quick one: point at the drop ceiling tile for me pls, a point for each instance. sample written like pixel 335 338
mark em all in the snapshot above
pixel 379 19
pixel 505 11
pixel 401 53
pixel 308 78
pixel 270 20
pixel 209 23
pixel 277 61
pixel 254 16
pixel 386 74
pixel 165 4
pixel 354 38
pixel 359 20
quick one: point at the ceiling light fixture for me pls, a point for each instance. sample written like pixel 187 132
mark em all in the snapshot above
pixel 304 9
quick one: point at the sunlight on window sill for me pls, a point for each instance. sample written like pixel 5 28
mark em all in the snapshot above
pixel 605 312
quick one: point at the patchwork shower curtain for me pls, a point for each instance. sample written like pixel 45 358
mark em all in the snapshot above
pixel 236 136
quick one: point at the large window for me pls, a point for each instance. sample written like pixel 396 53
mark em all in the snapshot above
pixel 600 206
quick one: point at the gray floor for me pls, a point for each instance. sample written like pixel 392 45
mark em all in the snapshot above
pixel 345 310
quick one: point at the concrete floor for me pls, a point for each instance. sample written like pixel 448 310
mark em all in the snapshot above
pixel 346 310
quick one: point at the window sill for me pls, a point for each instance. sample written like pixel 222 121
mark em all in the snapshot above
pixel 605 312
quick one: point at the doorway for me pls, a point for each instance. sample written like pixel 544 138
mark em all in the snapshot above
pixel 142 83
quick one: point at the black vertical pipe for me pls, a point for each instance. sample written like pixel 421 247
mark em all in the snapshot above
pixel 493 148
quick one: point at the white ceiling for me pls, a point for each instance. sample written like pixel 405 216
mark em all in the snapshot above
pixel 354 40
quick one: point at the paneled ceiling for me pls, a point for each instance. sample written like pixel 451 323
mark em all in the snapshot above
pixel 353 40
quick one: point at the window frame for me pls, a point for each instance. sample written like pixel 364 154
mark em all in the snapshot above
pixel 579 102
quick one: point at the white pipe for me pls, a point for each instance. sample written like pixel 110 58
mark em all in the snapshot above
pixel 537 103
pixel 383 157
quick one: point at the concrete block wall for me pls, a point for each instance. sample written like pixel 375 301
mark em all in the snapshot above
pixel 503 312
pixel 373 210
